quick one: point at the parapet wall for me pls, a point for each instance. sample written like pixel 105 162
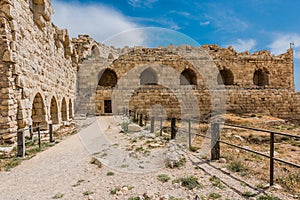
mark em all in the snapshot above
pixel 279 69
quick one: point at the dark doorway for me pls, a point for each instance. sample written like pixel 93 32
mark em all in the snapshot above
pixel 107 106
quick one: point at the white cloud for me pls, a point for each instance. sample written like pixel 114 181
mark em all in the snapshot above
pixel 224 20
pixel 96 20
pixel 141 3
pixel 244 45
pixel 282 43
pixel 204 23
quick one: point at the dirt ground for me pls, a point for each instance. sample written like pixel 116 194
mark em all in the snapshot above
pixel 127 172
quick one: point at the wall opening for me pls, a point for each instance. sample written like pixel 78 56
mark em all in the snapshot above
pixel 188 77
pixel 225 77
pixel 107 106
pixel 148 77
pixel 38 114
pixel 108 78
pixel 70 109
pixel 261 77
pixel 64 114
pixel 54 111
pixel 95 52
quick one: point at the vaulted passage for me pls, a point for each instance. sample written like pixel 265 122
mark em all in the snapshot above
pixel 70 109
pixel 38 111
pixel 54 111
pixel 188 77
pixel 225 77
pixel 64 113
pixel 148 77
pixel 107 78
pixel 261 77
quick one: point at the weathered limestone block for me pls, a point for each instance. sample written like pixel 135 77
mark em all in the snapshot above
pixel 134 128
pixel 8 10
pixel 8 56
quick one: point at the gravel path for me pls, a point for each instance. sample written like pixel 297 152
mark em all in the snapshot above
pixel 65 171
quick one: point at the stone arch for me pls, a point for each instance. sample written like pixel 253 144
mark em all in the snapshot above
pixel 261 77
pixel 38 113
pixel 107 78
pixel 70 109
pixel 54 111
pixel 95 52
pixel 148 77
pixel 64 114
pixel 188 77
pixel 225 77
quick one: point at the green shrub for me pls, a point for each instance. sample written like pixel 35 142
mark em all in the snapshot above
pixel 110 174
pixel 237 166
pixel 86 193
pixel 216 182
pixel 58 196
pixel 190 182
pixel 214 196
pixel 163 178
pixel 248 194
pixel 267 197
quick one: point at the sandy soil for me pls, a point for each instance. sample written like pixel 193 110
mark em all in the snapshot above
pixel 64 171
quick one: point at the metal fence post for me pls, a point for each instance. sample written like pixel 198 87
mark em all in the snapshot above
pixel 173 128
pixel 21 144
pixel 152 125
pixel 31 133
pixel 215 144
pixel 134 117
pixel 190 134
pixel 51 133
pixel 141 119
pixel 146 119
pixel 272 159
pixel 39 136
pixel 161 120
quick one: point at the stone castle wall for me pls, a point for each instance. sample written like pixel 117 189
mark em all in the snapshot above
pixel 37 64
pixel 46 77
pixel 277 97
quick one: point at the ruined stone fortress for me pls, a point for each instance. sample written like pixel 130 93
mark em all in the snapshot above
pixel 46 77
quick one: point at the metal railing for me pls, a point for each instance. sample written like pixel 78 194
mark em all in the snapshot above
pixel 21 141
pixel 216 140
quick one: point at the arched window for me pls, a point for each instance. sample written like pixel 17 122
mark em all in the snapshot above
pixel 64 114
pixel 38 111
pixel 225 77
pixel 108 78
pixel 261 77
pixel 70 109
pixel 188 77
pixel 148 77
pixel 54 111
pixel 95 52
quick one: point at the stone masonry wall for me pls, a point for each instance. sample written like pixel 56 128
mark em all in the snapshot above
pixel 47 78
pixel 277 98
pixel 38 62
pixel 243 65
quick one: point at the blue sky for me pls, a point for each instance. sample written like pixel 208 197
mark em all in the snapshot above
pixel 245 24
